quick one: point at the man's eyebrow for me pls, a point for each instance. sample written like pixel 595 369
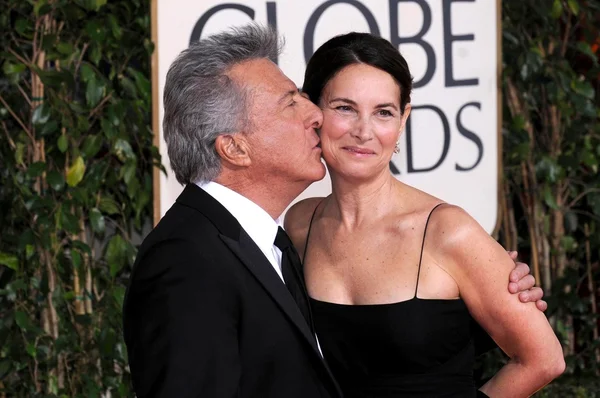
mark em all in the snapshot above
pixel 286 95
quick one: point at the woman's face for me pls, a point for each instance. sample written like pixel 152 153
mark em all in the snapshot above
pixel 361 121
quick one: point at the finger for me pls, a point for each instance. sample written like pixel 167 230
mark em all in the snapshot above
pixel 530 295
pixel 513 255
pixel 535 294
pixel 520 270
pixel 541 305
pixel 526 283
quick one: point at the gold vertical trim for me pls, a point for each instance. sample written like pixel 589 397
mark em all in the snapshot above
pixel 155 109
pixel 499 112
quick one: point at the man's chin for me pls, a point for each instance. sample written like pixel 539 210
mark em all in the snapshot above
pixel 321 174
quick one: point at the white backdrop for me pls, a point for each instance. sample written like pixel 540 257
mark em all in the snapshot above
pixel 450 146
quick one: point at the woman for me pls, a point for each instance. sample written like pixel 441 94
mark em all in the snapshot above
pixel 395 275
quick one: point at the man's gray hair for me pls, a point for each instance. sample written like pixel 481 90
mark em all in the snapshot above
pixel 202 102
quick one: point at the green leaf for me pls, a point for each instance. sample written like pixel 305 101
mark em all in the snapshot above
pixel 29 251
pixel 93 93
pixel 49 41
pixel 41 114
pixel 99 4
pixel 13 69
pixel 87 72
pixel 76 259
pixel 518 123
pixel 83 123
pixel 9 260
pixel 95 54
pixel 97 221
pixel 75 172
pixel 584 88
pixel 119 295
pixel 568 243
pixel 19 153
pixel 56 78
pixel 557 9
pixel 108 206
pixel 549 198
pixel 589 159
pixel 133 188
pixel 67 221
pixel 22 25
pixel 49 128
pixel 123 150
pixel 587 50
pixel 69 296
pixel 91 145
pixel 141 81
pixel 55 179
pixel 116 254
pixel 31 350
pixel 95 30
pixel 45 9
pixel 114 26
pixel 65 48
pixel 36 169
pixel 81 246
pixel 573 6
pixel 24 322
pixel 128 171
pixel 38 5
pixel 62 143
pixel 128 86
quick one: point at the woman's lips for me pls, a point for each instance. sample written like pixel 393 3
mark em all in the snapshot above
pixel 358 150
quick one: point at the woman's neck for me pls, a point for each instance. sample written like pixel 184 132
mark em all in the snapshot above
pixel 356 202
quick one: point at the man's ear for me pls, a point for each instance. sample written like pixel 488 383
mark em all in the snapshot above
pixel 233 149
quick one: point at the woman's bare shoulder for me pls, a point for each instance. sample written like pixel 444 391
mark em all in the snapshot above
pixel 297 219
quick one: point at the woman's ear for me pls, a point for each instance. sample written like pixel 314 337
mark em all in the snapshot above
pixel 405 116
pixel 233 149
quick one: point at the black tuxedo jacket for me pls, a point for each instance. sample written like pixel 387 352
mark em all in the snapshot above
pixel 206 315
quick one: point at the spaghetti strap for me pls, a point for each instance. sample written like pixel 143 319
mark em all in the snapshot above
pixel 309 229
pixel 423 245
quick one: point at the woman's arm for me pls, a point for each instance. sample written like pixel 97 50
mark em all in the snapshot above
pixel 480 267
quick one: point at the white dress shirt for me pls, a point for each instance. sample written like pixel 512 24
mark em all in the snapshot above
pixel 259 225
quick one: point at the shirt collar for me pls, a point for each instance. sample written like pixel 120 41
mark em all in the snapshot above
pixel 259 225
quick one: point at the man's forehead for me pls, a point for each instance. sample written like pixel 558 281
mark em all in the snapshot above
pixel 262 75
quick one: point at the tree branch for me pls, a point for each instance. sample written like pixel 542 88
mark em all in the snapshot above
pixel 14 115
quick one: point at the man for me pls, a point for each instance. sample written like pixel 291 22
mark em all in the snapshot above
pixel 213 310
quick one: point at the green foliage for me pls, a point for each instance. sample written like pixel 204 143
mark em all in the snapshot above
pixel 551 136
pixel 76 164
pixel 75 183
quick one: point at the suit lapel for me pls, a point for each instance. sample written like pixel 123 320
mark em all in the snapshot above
pixel 253 258
pixel 240 243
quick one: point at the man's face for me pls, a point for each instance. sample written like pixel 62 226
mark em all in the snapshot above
pixel 281 133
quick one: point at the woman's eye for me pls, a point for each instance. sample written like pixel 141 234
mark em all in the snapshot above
pixel 344 108
pixel 385 112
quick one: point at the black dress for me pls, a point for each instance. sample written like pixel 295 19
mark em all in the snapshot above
pixel 414 348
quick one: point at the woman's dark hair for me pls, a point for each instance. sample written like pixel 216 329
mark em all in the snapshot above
pixel 356 48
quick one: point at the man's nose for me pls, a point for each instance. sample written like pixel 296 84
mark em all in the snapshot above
pixel 314 115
